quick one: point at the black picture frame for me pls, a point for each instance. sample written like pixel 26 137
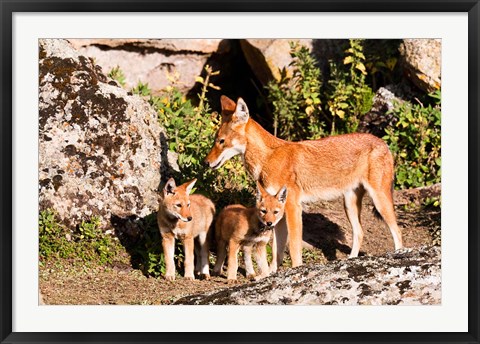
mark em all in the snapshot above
pixel 9 7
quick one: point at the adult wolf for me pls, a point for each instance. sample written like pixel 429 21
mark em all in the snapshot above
pixel 343 165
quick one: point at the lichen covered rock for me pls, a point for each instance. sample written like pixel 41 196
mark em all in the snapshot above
pixel 100 149
pixel 152 60
pixel 422 60
pixel 378 118
pixel 406 277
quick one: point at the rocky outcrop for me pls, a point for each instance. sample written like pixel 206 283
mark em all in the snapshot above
pixel 267 57
pixel 407 277
pixel 422 61
pixel 100 149
pixel 152 60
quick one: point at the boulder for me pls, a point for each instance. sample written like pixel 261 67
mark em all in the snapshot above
pixel 386 98
pixel 377 119
pixel 153 60
pixel 405 277
pixel 101 151
pixel 422 61
pixel 267 57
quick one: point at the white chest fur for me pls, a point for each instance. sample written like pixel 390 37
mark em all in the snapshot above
pixel 179 232
pixel 254 239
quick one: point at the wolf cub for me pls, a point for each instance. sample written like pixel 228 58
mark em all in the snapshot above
pixel 185 217
pixel 241 227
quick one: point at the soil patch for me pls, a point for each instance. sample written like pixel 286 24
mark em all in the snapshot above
pixel 327 237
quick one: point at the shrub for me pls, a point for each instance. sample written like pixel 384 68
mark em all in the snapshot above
pixel 416 143
pixel 349 96
pixel 296 98
pixel 304 109
pixel 308 105
pixel 191 130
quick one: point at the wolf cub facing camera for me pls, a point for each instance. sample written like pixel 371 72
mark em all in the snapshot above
pixel 185 217
pixel 247 228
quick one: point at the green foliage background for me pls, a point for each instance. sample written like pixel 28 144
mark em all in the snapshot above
pixel 309 105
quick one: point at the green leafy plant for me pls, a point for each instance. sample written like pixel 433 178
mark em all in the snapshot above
pixel 296 98
pixel 305 109
pixel 87 243
pixel 432 202
pixel 191 130
pixel 142 89
pixel 382 61
pixel 416 143
pixel 53 239
pixel 90 235
pixel 350 96
pixel 117 74
pixel 309 105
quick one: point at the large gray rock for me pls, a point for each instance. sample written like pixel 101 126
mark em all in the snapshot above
pixel 152 60
pixel 100 149
pixel 422 60
pixel 408 277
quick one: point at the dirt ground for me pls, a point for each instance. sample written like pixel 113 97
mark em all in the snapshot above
pixel 327 237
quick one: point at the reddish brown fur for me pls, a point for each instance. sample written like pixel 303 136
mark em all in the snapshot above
pixel 343 165
pixel 247 228
pixel 185 217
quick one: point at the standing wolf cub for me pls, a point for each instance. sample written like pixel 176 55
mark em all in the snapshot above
pixel 185 217
pixel 243 227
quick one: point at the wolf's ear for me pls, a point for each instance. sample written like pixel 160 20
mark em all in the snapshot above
pixel 282 194
pixel 260 192
pixel 170 187
pixel 241 112
pixel 228 105
pixel 190 185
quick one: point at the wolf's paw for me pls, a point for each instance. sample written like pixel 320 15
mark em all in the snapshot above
pixel 170 277
pixel 259 277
